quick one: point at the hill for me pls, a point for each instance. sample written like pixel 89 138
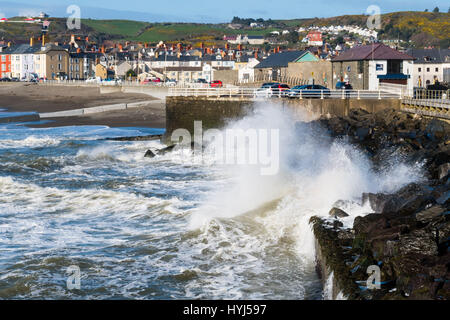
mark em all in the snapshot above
pixel 417 28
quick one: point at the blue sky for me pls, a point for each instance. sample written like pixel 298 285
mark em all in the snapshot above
pixel 214 10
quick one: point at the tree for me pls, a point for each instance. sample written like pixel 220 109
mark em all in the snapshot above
pixel 448 11
pixel 426 10
pixel 436 10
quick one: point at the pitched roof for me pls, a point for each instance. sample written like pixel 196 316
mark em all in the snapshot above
pixel 280 59
pixel 430 55
pixel 376 51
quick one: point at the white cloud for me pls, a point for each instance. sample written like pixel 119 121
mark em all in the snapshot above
pixel 29 12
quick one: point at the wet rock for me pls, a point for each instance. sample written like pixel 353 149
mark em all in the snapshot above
pixel 137 138
pixel 364 225
pixel 418 241
pixel 443 170
pixel 149 154
pixel 338 213
pixel 376 201
pixel 430 214
pixel 165 150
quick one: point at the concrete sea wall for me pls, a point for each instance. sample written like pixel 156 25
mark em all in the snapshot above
pixel 181 112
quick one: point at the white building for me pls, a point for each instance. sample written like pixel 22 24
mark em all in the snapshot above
pixel 23 62
pixel 430 66
pixel 246 72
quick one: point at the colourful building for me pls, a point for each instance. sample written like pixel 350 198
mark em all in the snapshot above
pixel 5 63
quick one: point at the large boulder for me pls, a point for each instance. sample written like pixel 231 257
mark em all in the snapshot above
pixel 338 213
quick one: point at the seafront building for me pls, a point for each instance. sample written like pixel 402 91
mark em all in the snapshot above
pixel 430 66
pixel 363 66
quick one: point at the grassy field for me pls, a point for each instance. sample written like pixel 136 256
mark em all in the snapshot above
pixel 190 31
pixel 125 28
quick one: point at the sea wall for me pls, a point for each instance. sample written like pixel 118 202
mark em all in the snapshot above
pixel 181 112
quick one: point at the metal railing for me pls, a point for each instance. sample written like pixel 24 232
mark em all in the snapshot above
pixel 431 100
pixel 258 93
pixel 112 83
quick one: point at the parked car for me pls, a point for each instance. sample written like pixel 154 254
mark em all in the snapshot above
pixel 14 79
pixel 268 90
pixel 308 91
pixel 5 80
pixel 216 84
pixel 171 82
pixel 93 80
pixel 347 87
pixel 200 81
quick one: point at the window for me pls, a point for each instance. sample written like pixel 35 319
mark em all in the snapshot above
pixel 428 69
pixel 3 58
pixel 420 69
pixel 59 57
pixel 360 66
pixel 59 66
pixel 437 70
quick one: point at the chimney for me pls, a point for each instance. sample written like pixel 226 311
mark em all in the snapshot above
pixel 256 54
pixel 103 49
pixel 43 40
pixel 9 44
pixel 79 50
pixel 120 47
pixel 31 41
pixel 146 45
pixel 72 38
pixel 87 39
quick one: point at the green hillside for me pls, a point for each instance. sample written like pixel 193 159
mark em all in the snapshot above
pixel 420 28
pixel 124 28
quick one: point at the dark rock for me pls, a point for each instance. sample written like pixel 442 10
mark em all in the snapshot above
pixel 376 201
pixel 429 214
pixel 362 133
pixel 338 213
pixel 137 138
pixel 364 225
pixel 165 150
pixel 418 241
pixel 443 170
pixel 149 154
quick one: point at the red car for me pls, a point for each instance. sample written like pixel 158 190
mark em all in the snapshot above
pixel 216 84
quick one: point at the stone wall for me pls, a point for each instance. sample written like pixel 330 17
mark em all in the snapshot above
pixel 356 73
pixel 319 71
pixel 227 76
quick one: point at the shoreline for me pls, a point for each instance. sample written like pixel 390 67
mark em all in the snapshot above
pixel 25 98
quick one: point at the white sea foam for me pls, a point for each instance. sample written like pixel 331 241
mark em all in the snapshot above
pixel 313 176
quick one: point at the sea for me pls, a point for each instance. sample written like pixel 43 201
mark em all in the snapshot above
pixel 83 217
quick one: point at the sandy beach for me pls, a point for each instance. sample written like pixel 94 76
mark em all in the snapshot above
pixel 26 97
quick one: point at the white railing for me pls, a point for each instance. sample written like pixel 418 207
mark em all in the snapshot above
pixel 112 83
pixel 423 98
pixel 258 93
pixel 396 88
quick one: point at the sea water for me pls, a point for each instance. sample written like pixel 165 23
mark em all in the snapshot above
pixel 167 228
